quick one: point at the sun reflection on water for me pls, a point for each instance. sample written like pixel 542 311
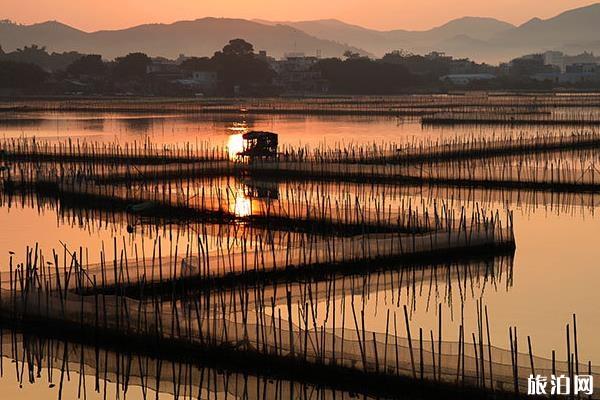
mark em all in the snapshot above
pixel 242 205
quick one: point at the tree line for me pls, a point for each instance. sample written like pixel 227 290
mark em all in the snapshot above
pixel 239 71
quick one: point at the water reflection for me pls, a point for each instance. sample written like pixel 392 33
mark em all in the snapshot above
pixel 253 197
pixel 238 127
pixel 556 233
pixel 260 189
pixel 138 125
pixel 46 367
pixel 242 206
pixel 294 130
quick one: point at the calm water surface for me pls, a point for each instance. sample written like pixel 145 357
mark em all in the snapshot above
pixel 556 268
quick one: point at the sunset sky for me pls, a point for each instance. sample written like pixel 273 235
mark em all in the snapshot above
pixel 379 14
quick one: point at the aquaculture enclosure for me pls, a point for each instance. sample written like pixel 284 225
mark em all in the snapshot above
pixel 401 262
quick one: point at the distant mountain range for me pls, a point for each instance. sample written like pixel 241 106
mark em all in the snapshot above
pixel 481 39
pixel 201 37
pixel 463 30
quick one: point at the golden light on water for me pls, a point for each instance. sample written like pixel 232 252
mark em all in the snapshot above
pixel 235 144
pixel 242 205
pixel 238 127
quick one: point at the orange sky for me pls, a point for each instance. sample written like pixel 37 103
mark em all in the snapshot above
pixel 379 14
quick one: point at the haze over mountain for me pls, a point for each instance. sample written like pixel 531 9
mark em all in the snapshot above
pixel 381 42
pixel 571 31
pixel 201 37
pixel 478 38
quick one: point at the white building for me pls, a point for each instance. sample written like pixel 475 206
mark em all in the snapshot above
pixel 563 61
pixel 296 74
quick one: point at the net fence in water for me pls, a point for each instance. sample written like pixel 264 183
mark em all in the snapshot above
pixel 488 172
pixel 530 166
pixel 148 153
pixel 204 324
pixel 100 367
pixel 248 200
pixel 299 251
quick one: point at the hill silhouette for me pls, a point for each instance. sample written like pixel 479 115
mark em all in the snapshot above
pixel 479 38
pixel 199 37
